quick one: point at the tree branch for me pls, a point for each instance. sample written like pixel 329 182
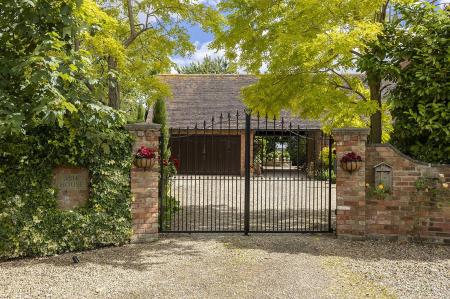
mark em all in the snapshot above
pixel 131 38
pixel 349 86
pixel 89 86
pixel 356 53
pixel 351 89
pixel 385 86
pixel 382 15
pixel 131 17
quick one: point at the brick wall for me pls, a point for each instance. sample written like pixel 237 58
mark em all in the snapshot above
pixel 144 185
pixel 405 212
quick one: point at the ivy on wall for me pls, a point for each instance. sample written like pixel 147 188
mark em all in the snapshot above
pixel 30 222
pixel 50 115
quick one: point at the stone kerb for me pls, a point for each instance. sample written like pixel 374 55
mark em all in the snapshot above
pixel 144 185
pixel 350 187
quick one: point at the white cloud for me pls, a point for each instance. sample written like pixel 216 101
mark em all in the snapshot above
pixel 202 50
pixel 209 2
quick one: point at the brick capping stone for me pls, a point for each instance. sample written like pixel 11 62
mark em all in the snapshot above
pixel 144 185
pixel 359 131
pixel 405 213
pixel 397 151
pixel 142 126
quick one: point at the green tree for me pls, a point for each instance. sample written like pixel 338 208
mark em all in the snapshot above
pixel 308 48
pixel 149 32
pixel 418 46
pixel 50 116
pixel 45 79
pixel 160 117
pixel 208 65
pixel 140 113
pixel 171 204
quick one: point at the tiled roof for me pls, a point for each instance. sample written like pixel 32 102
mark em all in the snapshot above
pixel 199 98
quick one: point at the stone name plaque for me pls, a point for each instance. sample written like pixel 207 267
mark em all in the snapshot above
pixel 72 185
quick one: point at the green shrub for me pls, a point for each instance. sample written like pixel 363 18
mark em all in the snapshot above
pixel 323 175
pixel 420 68
pixel 325 159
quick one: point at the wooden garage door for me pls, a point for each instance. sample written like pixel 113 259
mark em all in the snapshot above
pixel 207 154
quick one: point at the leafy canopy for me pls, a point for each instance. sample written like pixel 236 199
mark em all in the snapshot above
pixel 38 73
pixel 149 33
pixel 308 49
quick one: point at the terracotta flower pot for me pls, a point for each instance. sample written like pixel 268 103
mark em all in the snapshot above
pixel 144 163
pixel 351 166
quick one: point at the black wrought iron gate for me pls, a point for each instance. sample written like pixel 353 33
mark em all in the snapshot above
pixel 247 174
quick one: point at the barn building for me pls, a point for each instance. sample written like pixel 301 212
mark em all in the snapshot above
pixel 206 117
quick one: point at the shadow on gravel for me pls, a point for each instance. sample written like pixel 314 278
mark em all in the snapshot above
pixel 325 245
pixel 137 257
pixel 173 247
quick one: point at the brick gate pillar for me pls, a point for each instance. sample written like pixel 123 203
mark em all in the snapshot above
pixel 144 185
pixel 350 187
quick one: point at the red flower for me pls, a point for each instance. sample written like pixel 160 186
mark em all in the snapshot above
pixel 146 153
pixel 351 157
pixel 175 162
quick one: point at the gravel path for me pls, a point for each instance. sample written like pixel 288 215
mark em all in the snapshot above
pixel 235 266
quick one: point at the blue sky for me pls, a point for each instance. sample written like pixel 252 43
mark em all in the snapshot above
pixel 200 39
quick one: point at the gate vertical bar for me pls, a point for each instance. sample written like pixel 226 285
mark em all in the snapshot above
pixel 330 145
pixel 161 189
pixel 247 173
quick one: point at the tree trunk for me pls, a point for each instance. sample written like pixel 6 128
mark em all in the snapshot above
pixel 113 84
pixel 374 81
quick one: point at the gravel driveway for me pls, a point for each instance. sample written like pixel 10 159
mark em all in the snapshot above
pixel 235 266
